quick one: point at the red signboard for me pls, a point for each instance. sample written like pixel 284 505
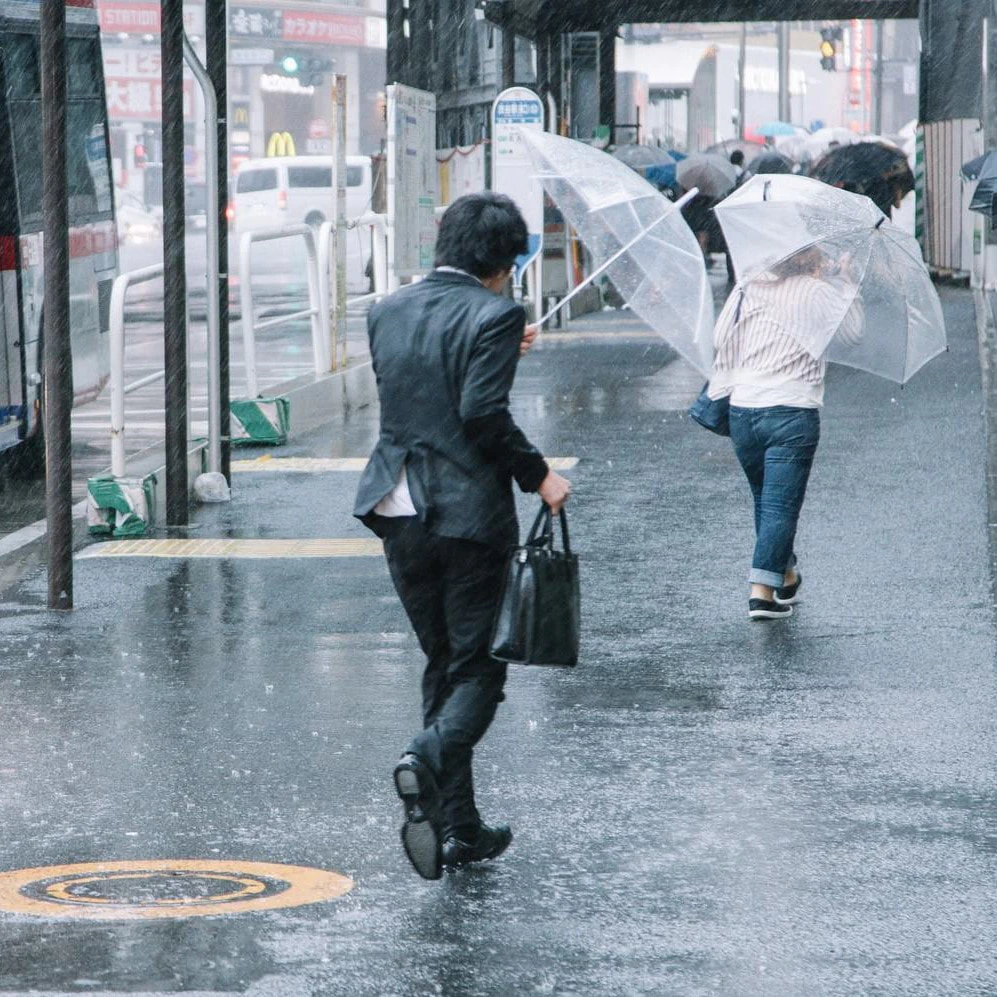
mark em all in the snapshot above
pixel 327 29
pixel 141 100
pixel 138 18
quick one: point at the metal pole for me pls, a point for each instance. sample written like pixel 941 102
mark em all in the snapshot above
pixel 58 395
pixel 742 62
pixel 211 212
pixel 508 51
pixel 216 52
pixel 785 110
pixel 339 110
pixel 174 264
pixel 877 112
pixel 607 81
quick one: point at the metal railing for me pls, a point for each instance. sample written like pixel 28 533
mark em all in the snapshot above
pixel 378 225
pixel 316 310
pixel 117 345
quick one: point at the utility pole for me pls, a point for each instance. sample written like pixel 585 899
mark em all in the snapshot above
pixel 174 264
pixel 785 107
pixel 216 52
pixel 877 107
pixel 58 358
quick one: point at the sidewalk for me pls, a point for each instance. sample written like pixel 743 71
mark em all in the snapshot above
pixel 704 806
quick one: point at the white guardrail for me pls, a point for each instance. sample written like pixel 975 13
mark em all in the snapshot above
pixel 117 345
pixel 321 251
pixel 317 311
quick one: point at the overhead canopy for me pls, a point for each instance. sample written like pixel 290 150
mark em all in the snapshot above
pixel 534 17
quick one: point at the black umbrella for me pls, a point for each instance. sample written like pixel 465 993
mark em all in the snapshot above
pixel 984 169
pixel 771 162
pixel 875 169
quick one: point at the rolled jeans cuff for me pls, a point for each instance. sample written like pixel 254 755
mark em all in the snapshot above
pixel 774 579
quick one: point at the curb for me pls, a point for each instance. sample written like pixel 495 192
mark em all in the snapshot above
pixel 985 303
pixel 316 400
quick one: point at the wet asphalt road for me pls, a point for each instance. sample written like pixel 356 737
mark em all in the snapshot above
pixel 705 806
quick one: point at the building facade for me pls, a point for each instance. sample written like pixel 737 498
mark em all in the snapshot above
pixel 273 91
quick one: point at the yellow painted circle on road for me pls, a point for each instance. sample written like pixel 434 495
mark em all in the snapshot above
pixel 110 891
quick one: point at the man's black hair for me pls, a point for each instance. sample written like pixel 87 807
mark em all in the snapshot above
pixel 737 157
pixel 481 234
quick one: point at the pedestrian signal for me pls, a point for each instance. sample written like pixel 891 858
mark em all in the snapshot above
pixel 281 144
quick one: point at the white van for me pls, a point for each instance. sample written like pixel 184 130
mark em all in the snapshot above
pixel 288 190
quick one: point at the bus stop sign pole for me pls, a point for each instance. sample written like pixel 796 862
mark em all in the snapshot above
pixel 174 265
pixel 58 359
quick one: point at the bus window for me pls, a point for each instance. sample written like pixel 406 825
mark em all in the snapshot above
pixel 89 182
pixel 85 67
pixel 26 129
pixel 22 67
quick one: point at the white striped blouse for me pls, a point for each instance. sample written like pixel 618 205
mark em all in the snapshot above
pixel 761 337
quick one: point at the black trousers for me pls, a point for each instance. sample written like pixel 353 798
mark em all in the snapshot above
pixel 450 589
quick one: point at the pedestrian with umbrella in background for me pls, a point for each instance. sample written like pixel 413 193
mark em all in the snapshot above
pixel 823 277
pixel 876 169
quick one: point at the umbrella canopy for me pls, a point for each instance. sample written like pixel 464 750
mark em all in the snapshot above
pixel 781 226
pixel 770 162
pixel 712 174
pixel 771 129
pixel 984 169
pixel 728 145
pixel 639 157
pixel 824 138
pixel 660 274
pixel 975 168
pixel 875 169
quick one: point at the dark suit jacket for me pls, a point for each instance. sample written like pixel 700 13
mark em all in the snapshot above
pixel 445 352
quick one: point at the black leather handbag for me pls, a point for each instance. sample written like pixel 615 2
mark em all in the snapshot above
pixel 538 620
pixel 711 414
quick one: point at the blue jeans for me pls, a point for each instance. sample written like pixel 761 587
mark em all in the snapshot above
pixel 775 447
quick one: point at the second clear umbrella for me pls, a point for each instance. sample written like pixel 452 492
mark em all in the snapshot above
pixel 657 265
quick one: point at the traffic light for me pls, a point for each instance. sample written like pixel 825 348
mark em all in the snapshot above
pixel 314 70
pixel 829 37
pixel 308 70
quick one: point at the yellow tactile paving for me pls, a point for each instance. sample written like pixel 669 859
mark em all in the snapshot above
pixel 321 465
pixel 235 548
pixel 144 890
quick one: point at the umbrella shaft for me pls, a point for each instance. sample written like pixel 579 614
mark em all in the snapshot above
pixel 684 199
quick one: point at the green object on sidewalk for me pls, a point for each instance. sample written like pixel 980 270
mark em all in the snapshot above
pixel 261 420
pixel 120 507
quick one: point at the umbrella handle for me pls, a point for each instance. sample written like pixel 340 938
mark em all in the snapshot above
pixel 684 199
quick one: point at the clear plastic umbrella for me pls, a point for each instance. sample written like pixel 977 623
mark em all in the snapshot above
pixel 637 235
pixel 780 225
pixel 712 174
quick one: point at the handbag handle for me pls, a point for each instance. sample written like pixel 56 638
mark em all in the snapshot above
pixel 542 532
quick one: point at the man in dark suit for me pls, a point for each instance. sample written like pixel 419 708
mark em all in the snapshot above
pixel 438 489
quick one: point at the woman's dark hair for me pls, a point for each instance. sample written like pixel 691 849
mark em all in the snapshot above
pixel 481 234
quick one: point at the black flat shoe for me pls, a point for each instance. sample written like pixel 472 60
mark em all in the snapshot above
pixel 416 788
pixel 788 595
pixel 763 609
pixel 490 843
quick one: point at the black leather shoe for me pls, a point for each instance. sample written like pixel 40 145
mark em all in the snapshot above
pixel 416 788
pixel 490 843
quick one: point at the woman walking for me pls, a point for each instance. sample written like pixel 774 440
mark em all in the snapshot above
pixel 776 390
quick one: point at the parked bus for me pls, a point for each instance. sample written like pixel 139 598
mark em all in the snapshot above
pixel 92 237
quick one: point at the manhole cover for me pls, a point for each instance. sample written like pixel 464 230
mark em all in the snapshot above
pixel 164 888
